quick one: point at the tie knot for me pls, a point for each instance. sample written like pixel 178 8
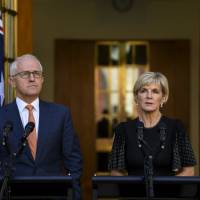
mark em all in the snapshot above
pixel 29 107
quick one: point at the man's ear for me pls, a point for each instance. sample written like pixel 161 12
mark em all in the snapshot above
pixel 11 82
pixel 42 80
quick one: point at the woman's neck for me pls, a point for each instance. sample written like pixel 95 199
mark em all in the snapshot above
pixel 150 119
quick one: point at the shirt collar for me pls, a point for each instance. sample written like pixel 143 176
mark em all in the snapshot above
pixel 22 104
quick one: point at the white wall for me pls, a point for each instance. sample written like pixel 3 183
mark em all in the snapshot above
pixel 97 19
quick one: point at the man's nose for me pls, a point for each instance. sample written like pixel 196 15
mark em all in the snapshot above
pixel 31 76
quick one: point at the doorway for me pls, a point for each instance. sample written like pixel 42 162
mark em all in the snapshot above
pixel 76 87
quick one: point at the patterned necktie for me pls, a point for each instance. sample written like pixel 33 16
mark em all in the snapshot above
pixel 32 139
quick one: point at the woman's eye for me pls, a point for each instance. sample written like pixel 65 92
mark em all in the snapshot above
pixel 142 90
pixel 156 91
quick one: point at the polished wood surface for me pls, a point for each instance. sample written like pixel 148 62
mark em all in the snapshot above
pixel 24 27
pixel 172 58
pixel 74 87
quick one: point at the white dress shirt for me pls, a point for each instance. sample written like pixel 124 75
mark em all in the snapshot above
pixel 23 111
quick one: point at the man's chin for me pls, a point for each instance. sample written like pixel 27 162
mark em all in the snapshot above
pixel 32 95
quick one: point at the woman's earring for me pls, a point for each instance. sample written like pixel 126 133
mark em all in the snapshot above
pixel 161 105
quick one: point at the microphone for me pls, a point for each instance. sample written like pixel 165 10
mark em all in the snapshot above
pixel 163 134
pixel 140 128
pixel 28 129
pixel 8 127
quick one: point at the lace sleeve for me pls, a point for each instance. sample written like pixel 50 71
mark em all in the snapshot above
pixel 183 154
pixel 117 156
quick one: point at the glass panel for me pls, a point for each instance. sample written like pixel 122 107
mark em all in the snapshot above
pixel 131 77
pixel 114 122
pixel 115 54
pixel 114 79
pixel 9 23
pixel 114 103
pixel 103 78
pixel 141 54
pixel 103 103
pixel 103 125
pixel 103 55
pixel 129 104
pixel 129 54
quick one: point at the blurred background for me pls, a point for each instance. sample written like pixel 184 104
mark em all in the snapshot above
pixel 92 52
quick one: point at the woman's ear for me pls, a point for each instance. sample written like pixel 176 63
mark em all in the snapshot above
pixel 163 99
pixel 163 102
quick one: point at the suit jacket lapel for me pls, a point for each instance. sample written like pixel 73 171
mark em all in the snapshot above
pixel 42 129
pixel 16 117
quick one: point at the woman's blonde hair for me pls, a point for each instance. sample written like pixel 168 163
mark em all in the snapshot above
pixel 152 77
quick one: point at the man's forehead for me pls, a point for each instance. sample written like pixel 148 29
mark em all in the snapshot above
pixel 28 64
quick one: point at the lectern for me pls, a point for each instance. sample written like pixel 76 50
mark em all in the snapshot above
pixel 41 187
pixel 133 187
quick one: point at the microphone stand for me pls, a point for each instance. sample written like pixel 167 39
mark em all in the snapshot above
pixel 148 164
pixel 148 176
pixel 8 168
pixel 149 155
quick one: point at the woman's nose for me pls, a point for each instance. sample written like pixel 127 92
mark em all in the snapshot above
pixel 149 94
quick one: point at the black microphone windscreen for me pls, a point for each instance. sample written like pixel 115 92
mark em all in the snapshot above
pixel 140 127
pixel 163 129
pixel 29 128
pixel 8 127
pixel 162 125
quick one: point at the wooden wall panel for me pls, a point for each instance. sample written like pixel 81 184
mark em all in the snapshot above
pixel 172 58
pixel 24 28
pixel 74 87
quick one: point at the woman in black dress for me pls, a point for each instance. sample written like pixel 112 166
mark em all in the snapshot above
pixel 152 137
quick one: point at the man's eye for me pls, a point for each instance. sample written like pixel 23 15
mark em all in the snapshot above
pixel 24 73
pixel 36 73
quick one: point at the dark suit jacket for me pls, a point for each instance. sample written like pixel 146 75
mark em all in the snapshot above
pixel 58 150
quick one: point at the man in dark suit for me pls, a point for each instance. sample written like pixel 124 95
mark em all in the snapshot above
pixel 54 149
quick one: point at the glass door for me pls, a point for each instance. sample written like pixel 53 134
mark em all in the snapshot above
pixel 117 66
